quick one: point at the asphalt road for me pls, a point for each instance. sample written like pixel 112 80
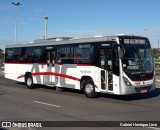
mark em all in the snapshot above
pixel 17 103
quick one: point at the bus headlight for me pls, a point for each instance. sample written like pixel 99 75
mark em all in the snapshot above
pixel 127 81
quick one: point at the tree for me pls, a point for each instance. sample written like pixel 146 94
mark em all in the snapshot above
pixel 1 54
pixel 156 53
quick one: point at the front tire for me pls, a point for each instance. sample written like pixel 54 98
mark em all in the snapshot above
pixel 29 81
pixel 89 89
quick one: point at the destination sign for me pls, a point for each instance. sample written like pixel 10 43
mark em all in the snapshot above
pixel 134 41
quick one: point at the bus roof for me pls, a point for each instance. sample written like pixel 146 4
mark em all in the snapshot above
pixel 68 40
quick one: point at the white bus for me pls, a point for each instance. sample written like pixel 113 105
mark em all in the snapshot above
pixel 117 64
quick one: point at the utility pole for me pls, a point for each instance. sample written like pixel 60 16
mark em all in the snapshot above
pixel 16 24
pixel 158 51
pixel 46 20
pixel 146 31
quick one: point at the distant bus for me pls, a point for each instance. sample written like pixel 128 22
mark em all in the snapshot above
pixel 117 64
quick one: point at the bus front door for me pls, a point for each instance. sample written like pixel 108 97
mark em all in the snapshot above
pixel 49 77
pixel 106 63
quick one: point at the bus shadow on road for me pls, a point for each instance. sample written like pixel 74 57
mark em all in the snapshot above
pixel 6 93
pixel 152 94
pixel 131 97
pixel 64 90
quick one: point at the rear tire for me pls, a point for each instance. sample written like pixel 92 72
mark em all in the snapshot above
pixel 89 89
pixel 29 81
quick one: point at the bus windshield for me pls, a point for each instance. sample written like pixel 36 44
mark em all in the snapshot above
pixel 137 61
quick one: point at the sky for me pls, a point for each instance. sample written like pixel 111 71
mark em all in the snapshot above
pixel 78 18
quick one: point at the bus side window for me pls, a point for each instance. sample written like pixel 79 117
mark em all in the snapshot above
pixel 78 58
pixel 109 59
pixel 62 58
pixel 102 60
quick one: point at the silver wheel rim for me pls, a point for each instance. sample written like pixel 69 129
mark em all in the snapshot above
pixel 29 81
pixel 89 88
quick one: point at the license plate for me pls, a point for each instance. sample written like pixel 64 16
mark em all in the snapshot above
pixel 144 91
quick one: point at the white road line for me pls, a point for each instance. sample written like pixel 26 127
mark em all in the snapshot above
pixel 155 128
pixel 46 104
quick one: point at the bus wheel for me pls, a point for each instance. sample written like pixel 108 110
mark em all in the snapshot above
pixel 29 81
pixel 89 89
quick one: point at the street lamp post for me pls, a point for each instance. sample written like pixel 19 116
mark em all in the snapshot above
pixel 16 24
pixel 146 31
pixel 46 19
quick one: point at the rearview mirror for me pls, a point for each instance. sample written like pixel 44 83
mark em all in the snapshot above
pixel 121 53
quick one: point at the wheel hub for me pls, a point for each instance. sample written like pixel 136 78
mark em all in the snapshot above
pixel 29 81
pixel 89 88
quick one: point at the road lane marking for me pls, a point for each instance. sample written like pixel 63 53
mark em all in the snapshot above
pixel 46 104
pixel 155 128
pixel 158 80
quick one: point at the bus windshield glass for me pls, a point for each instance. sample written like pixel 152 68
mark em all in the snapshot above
pixel 138 59
pixel 138 62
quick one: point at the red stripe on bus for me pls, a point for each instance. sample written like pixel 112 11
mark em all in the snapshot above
pixel 95 86
pixel 52 73
pixel 22 76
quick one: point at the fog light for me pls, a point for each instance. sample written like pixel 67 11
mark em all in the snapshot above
pixel 127 82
